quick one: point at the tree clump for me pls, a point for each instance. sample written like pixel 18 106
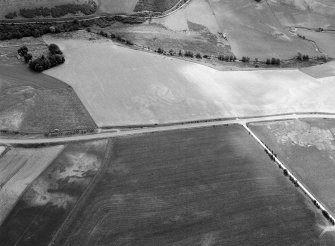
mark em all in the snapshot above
pixel 54 58
pixel 273 61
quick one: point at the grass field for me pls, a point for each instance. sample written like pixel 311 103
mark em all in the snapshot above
pixel 305 13
pixel 18 168
pixel 253 30
pixel 192 28
pixel 31 102
pixel 8 49
pixel 124 86
pixel 212 186
pixel 307 147
pixel 43 207
pixel 117 6
pixel 324 40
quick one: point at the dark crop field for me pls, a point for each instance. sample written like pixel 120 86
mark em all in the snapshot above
pixel 44 206
pixel 307 147
pixel 212 186
pixel 32 102
pixel 155 5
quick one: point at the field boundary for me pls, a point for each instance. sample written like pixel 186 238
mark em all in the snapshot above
pixel 287 172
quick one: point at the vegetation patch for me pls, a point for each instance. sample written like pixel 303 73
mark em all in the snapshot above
pixel 54 58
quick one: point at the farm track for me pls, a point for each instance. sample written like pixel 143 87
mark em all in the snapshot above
pixel 144 129
pixel 293 178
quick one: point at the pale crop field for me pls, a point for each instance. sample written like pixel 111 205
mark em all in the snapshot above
pixel 123 86
pixel 19 167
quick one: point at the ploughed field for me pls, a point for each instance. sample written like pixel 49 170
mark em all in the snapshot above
pixel 121 86
pixel 31 102
pixel 307 147
pixel 210 186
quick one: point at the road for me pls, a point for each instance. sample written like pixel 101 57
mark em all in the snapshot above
pixel 147 130
pixel 114 132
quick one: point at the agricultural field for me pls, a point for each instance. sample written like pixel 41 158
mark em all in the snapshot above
pixel 121 86
pixel 50 197
pixel 253 31
pixel 116 6
pixel 321 71
pixel 212 193
pixel 155 5
pixel 18 168
pixel 192 28
pixel 307 147
pixel 324 40
pixel 31 102
pixel 7 6
pixel 195 38
pixel 304 13
pixel 197 11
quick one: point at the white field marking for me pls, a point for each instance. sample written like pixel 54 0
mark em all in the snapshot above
pixel 140 129
pixel 2 149
pixel 326 229
pixel 291 175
